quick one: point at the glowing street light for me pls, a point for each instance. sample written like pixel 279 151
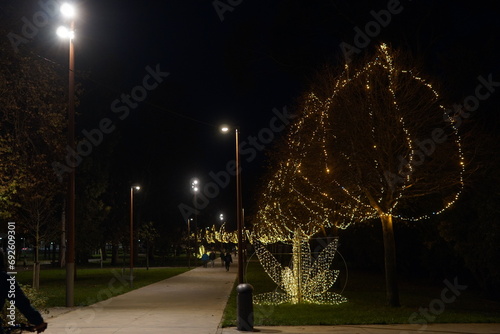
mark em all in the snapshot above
pixel 195 187
pixel 68 11
pixel 64 32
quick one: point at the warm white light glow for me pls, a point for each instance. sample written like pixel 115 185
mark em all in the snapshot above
pixel 194 185
pixel 137 188
pixel 307 280
pixel 64 32
pixel 68 10
pixel 224 128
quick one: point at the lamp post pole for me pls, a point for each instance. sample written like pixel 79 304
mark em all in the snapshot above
pixel 189 242
pixel 195 186
pixel 131 237
pixel 244 300
pixel 70 219
pixel 68 11
pixel 132 234
pixel 239 221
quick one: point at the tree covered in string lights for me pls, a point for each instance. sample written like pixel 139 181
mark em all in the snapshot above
pixel 371 142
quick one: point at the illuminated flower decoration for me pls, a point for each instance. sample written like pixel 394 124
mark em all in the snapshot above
pixel 306 281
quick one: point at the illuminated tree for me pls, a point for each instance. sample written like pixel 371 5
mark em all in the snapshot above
pixel 372 142
pixel 282 211
pixel 212 235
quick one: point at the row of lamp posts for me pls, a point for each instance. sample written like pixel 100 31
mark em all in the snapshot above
pixel 244 302
pixel 245 308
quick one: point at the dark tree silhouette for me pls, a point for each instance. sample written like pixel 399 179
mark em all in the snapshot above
pixel 32 124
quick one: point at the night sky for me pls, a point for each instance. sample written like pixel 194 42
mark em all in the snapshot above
pixel 260 57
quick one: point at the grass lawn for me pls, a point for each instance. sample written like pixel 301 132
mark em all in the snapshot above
pixel 366 304
pixel 93 285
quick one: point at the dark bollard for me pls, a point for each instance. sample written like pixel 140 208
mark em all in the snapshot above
pixel 245 307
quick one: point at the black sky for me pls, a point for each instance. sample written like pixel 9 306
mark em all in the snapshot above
pixel 260 57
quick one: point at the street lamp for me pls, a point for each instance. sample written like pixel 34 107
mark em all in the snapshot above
pixel 68 12
pixel 132 233
pixel 239 223
pixel 189 241
pixel 195 186
pixel 244 301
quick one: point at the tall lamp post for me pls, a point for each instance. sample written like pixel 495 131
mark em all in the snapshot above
pixel 68 12
pixel 239 223
pixel 244 302
pixel 195 187
pixel 132 234
pixel 221 217
pixel 189 241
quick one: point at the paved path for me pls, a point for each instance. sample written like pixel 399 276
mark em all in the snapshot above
pixel 193 303
pixel 378 329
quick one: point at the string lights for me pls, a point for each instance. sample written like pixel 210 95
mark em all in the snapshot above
pixel 306 280
pixel 378 140
pixel 212 235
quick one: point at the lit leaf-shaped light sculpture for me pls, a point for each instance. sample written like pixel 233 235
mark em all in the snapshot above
pixel 306 280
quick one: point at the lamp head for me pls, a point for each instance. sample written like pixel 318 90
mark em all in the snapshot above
pixel 195 185
pixel 64 32
pixel 68 10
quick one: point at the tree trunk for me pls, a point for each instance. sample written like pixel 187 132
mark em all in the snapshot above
pixel 104 252
pixel 36 266
pixel 114 254
pixel 147 256
pixel 62 248
pixel 391 283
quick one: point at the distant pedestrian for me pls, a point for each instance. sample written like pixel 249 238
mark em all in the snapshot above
pixel 222 258
pixel 205 259
pixel 228 260
pixel 212 258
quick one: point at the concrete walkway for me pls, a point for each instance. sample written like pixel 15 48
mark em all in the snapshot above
pixel 378 329
pixel 193 303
